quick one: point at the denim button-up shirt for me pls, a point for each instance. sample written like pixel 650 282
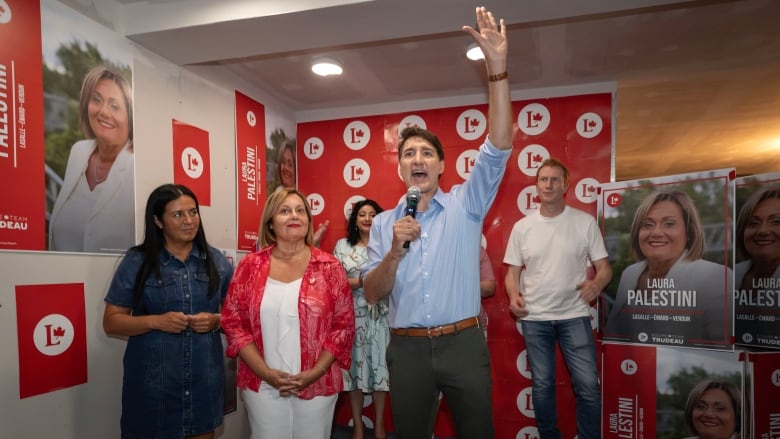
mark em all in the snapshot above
pixel 173 383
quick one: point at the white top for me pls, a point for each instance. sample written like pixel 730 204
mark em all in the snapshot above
pixel 109 226
pixel 555 253
pixel 74 214
pixel 281 325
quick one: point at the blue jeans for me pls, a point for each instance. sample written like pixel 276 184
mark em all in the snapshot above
pixel 575 337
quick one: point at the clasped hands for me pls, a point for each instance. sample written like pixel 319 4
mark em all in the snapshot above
pixel 288 384
pixel 176 322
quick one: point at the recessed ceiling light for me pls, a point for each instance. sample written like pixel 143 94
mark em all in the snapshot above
pixel 326 67
pixel 474 53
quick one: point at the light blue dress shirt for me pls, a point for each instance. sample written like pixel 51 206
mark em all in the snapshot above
pixel 437 281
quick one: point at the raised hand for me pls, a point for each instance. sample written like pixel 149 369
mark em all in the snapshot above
pixel 491 38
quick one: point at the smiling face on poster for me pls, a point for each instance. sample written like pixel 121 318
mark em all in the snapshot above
pixel 668 392
pixel 673 276
pixel 92 204
pixel 757 273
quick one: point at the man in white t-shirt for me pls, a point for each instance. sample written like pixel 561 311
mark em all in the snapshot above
pixel 552 248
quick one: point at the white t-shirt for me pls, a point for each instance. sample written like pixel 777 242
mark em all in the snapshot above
pixel 555 254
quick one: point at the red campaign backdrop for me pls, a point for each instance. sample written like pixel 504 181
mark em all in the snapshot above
pixel 250 162
pixel 191 160
pixel 51 329
pixel 765 393
pixel 22 211
pixel 343 161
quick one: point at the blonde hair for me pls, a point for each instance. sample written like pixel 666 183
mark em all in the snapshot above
pixel 696 393
pixel 266 234
pixel 88 86
pixel 746 212
pixel 694 234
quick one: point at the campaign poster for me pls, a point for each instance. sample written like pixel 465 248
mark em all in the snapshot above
pixel 669 241
pixel 89 150
pixel 664 392
pixel 192 160
pixel 250 172
pixel 51 328
pixel 22 215
pixel 764 387
pixel 757 269
pixel 283 160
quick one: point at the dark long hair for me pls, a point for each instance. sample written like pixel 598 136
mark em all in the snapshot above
pixel 154 239
pixel 353 234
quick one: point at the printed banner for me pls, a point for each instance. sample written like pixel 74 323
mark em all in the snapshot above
pixel 757 272
pixel 22 212
pixel 358 157
pixel 191 160
pixel 51 325
pixel 765 380
pixel 648 392
pixel 90 154
pixel 669 242
pixel 628 399
pixel 250 162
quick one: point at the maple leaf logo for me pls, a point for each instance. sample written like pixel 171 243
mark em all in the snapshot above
pixel 314 146
pixel 590 189
pixel 472 162
pixel 315 204
pixel 474 123
pixel 359 171
pixel 537 158
pixel 5 12
pixel 537 117
pixel 592 124
pixel 195 162
pixel 359 134
pixel 536 199
pixel 58 332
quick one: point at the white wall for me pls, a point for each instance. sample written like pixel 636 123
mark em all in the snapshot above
pixel 203 97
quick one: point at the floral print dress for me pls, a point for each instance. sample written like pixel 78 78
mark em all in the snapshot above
pixel 372 334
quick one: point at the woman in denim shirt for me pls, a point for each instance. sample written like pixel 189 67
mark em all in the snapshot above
pixel 165 297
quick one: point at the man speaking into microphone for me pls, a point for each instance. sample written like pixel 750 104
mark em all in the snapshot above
pixel 426 258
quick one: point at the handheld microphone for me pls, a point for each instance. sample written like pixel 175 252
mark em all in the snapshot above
pixel 412 197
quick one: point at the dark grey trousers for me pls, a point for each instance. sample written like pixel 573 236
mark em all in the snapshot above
pixel 458 366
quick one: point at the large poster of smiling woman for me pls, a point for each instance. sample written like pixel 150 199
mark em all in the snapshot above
pixel 757 269
pixel 669 245
pixel 89 161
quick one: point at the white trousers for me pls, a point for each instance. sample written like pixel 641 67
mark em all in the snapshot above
pixel 276 417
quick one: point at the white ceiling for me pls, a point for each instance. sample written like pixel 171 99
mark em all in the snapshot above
pixel 698 82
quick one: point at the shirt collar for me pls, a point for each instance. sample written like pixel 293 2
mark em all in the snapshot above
pixel 166 257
